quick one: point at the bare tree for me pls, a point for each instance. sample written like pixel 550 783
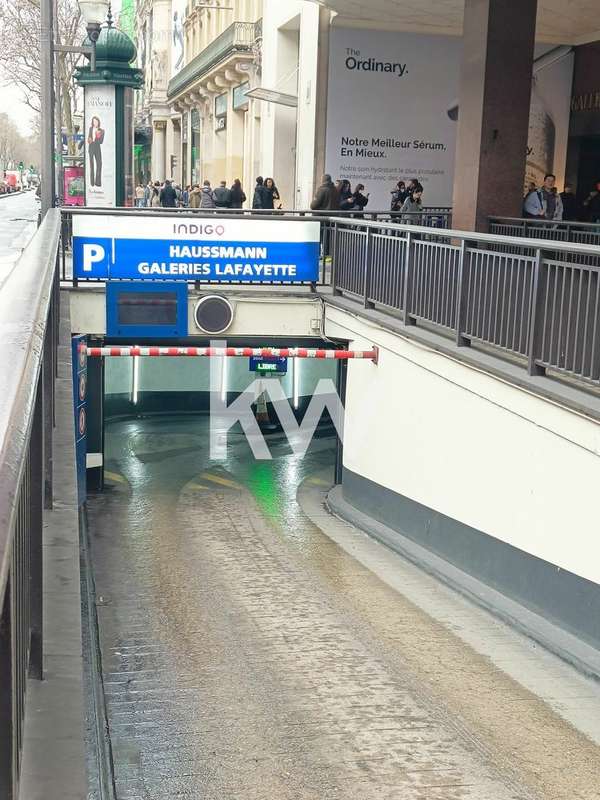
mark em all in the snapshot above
pixel 14 147
pixel 20 53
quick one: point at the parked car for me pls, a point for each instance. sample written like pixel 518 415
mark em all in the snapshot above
pixel 13 178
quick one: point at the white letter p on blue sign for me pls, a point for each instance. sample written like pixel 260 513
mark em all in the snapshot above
pixel 92 254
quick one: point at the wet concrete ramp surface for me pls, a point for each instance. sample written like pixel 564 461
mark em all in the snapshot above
pixel 246 655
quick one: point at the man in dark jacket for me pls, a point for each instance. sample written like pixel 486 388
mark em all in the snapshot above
pixel 168 196
pixel 327 197
pixel 260 199
pixel 223 196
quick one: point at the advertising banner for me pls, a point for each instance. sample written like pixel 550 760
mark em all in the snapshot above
pixel 178 8
pixel 391 112
pixel 73 186
pixel 188 248
pixel 79 359
pixel 100 146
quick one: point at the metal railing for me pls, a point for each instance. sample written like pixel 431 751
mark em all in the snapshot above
pixel 239 36
pixel 587 233
pixel 431 217
pixel 29 320
pixel 511 294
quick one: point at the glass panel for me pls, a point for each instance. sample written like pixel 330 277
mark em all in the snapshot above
pixel 143 308
pixel 240 101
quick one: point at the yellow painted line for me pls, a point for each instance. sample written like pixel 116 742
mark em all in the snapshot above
pixel 319 481
pixel 218 479
pixel 114 476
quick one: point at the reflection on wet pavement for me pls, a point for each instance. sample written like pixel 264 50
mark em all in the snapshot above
pixel 238 655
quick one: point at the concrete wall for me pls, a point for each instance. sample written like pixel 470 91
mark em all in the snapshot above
pixel 500 482
pixel 257 315
pixel 291 63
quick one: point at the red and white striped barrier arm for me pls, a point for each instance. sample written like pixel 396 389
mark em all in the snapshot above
pixel 208 352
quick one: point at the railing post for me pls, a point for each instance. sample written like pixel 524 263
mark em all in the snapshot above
pixel 47 376
pixel 461 296
pixel 334 258
pixel 36 456
pixel 368 269
pixel 408 275
pixel 7 743
pixel 534 318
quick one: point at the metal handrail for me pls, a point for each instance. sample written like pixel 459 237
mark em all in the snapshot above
pixel 29 319
pixel 547 223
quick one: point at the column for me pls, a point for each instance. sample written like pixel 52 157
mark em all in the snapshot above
pixel 495 95
pixel 159 151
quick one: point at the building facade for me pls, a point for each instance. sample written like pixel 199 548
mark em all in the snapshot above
pixel 214 128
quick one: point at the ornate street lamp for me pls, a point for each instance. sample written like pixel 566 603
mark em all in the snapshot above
pixel 94 13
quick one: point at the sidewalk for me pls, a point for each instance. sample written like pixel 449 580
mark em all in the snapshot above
pixel 53 766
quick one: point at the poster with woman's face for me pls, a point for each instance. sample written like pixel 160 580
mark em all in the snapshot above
pixel 100 189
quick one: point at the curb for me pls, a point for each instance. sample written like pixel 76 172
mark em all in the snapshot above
pixel 11 194
pixel 558 641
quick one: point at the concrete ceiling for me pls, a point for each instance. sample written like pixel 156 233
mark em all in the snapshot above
pixel 559 21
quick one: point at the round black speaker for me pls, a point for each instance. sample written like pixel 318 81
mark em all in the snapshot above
pixel 213 314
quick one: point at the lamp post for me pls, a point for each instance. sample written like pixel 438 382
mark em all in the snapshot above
pixel 94 13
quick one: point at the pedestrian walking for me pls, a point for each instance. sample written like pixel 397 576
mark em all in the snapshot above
pixel 545 202
pixel 326 197
pixel 360 200
pixel 592 204
pixel 346 196
pixel 412 206
pixel 168 196
pixel 195 196
pixel 185 197
pixel 148 194
pixel 399 195
pixel 207 196
pixel 155 199
pixel 238 196
pixel 569 202
pixel 259 193
pixel 222 196
pixel 271 198
pixel 139 196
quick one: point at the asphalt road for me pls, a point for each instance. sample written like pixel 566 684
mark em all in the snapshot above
pixel 248 654
pixel 18 222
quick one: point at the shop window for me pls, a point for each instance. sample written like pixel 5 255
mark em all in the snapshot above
pixel 221 112
pixel 240 101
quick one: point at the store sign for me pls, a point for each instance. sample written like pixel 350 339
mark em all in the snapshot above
pixel 192 248
pixel 586 102
pixel 100 167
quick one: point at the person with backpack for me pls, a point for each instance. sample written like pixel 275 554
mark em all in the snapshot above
pixel 207 196
pixel 545 202
pixel 222 196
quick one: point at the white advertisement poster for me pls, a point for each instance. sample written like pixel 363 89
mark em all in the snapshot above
pixel 100 146
pixel 550 114
pixel 178 8
pixel 391 112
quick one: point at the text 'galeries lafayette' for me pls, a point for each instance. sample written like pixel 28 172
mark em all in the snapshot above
pixel 226 253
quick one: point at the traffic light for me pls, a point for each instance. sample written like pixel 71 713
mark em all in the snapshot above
pixel 21 167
